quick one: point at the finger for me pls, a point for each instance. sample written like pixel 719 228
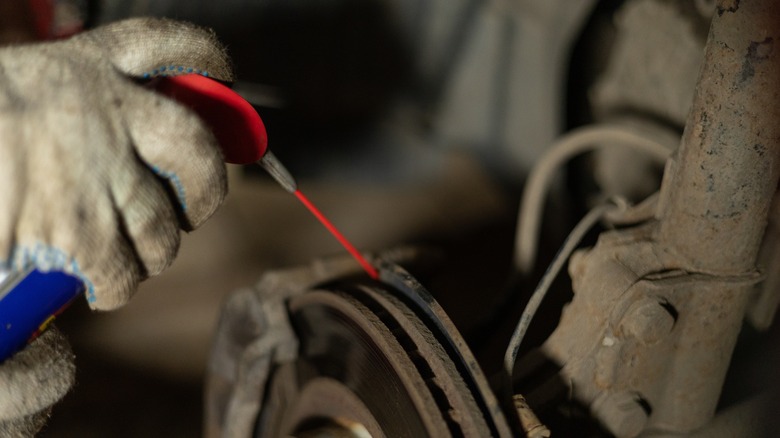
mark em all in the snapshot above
pixel 11 173
pixel 149 218
pixel 112 272
pixel 176 145
pixel 36 377
pixel 144 47
pixel 82 237
pixel 103 256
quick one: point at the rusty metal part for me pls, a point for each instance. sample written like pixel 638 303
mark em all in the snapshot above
pixel 647 339
pixel 322 403
pixel 721 183
pixel 373 359
pixel 436 319
pixel 531 424
pixel 253 336
pixel 643 346
pixel 344 341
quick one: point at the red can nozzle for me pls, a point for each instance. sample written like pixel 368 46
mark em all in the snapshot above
pixel 234 122
pixel 242 137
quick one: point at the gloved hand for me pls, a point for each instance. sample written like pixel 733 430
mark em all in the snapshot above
pixel 32 381
pixel 97 173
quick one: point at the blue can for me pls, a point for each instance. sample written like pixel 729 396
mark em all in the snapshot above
pixel 29 302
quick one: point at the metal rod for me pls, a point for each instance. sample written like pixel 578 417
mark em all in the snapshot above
pixel 715 201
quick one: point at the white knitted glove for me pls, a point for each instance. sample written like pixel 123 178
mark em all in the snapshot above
pixel 32 381
pixel 97 173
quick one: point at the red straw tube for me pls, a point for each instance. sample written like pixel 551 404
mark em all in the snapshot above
pixel 370 270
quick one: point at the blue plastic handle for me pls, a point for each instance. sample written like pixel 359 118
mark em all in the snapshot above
pixel 28 303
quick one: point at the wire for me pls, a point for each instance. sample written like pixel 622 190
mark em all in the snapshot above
pixel 576 142
pixel 569 245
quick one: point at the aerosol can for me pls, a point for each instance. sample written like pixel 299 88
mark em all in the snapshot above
pixel 29 302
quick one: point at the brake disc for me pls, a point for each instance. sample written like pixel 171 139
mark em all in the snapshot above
pixel 369 365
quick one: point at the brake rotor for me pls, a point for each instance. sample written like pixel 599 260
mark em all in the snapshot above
pixel 368 366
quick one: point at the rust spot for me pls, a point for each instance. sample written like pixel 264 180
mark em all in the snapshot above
pixel 728 6
pixel 757 51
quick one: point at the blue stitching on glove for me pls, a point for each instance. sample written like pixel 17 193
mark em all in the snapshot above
pixel 48 258
pixel 162 71
pixel 174 179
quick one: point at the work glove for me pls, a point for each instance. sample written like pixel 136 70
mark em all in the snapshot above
pixel 33 380
pixel 98 173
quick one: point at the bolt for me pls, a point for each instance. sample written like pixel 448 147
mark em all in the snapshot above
pixel 648 320
pixel 621 413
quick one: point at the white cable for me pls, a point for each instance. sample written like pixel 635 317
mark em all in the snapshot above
pixel 576 142
pixel 569 245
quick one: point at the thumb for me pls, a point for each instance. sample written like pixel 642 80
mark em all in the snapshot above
pixel 145 47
